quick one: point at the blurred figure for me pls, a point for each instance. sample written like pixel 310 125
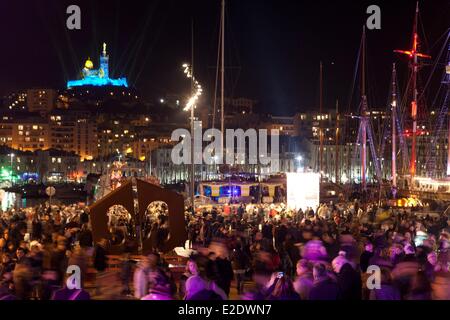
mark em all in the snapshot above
pixel 160 288
pixel 70 294
pixel 190 270
pixel 348 278
pixel 420 287
pixel 7 265
pixel 240 262
pixel 430 265
pixel 365 256
pixel 126 271
pixel 305 280
pixel 22 278
pixel 79 258
pixel 222 266
pixel 263 269
pixel 100 263
pixel 281 288
pixel 140 278
pixel 405 270
pixel 388 290
pixel 441 283
pixel 199 286
pixel 324 288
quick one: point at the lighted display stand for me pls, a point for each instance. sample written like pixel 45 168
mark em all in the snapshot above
pixel 222 192
pixel 303 190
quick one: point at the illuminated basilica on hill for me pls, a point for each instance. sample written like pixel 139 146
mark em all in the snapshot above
pixel 97 77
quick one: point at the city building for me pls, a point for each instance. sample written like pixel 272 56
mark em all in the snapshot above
pixel 41 166
pixel 16 101
pixel 284 125
pixel 30 134
pixel 41 100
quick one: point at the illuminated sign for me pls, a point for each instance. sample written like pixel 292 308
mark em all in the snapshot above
pixel 303 190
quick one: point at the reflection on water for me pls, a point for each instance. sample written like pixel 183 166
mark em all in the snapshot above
pixel 14 200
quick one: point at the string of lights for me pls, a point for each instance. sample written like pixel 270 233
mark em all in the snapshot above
pixel 197 92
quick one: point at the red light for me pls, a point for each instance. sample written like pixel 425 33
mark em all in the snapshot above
pixel 413 109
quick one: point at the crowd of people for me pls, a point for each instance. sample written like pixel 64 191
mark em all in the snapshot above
pixel 342 251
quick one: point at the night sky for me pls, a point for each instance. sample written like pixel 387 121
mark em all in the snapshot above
pixel 273 47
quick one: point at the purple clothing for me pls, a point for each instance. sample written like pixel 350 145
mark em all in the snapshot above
pixel 325 289
pixel 386 292
pixel 303 285
pixel 157 296
pixel 70 294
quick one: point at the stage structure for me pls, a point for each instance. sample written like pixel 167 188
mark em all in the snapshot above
pixel 146 194
pixel 303 190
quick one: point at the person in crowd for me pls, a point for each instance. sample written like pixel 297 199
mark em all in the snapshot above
pixel 140 277
pixel 420 287
pixel 405 269
pixel 199 286
pixel 160 288
pixel 324 287
pixel 222 266
pixel 190 270
pixel 100 263
pixel 281 288
pixel 240 262
pixel 70 293
pixel 126 272
pixel 387 289
pixel 348 277
pixel 366 256
pixel 305 280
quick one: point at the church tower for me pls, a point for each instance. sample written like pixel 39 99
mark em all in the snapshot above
pixel 104 60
